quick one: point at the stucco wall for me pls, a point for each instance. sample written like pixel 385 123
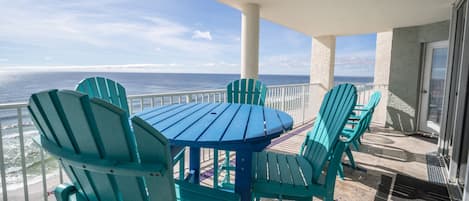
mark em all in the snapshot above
pixel 404 76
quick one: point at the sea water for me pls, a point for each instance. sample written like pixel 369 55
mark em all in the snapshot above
pixel 18 86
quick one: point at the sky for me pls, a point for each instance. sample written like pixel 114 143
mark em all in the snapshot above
pixel 201 36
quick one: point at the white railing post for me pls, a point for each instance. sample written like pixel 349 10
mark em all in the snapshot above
pixel 303 101
pixel 23 158
pixel 131 109
pixel 141 104
pixel 2 167
pixel 283 99
pixel 61 173
pixel 43 172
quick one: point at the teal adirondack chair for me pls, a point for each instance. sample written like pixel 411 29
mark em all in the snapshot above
pixel 104 158
pixel 360 123
pixel 114 93
pixel 313 171
pixel 356 115
pixel 105 89
pixel 352 135
pixel 245 91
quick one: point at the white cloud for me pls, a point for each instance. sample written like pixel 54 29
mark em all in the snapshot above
pixel 355 64
pixel 197 34
pixel 55 26
pixel 192 67
pixel 352 59
pixel 286 64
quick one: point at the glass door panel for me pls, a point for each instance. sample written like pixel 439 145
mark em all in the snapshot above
pixel 433 86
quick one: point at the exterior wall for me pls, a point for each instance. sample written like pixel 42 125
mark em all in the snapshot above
pixel 405 70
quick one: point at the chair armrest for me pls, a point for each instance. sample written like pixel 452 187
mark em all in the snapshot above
pixel 63 192
pixel 352 122
pixel 361 109
pixel 348 130
pixel 192 192
pixel 346 137
pixel 177 153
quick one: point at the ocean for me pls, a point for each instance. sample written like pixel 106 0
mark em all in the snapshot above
pixel 17 87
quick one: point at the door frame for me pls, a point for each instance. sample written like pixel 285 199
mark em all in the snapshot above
pixel 452 121
pixel 425 85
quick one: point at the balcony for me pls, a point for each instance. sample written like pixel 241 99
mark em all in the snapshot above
pixel 384 157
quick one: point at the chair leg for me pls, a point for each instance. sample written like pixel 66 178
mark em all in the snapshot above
pixel 182 167
pixel 340 171
pixel 356 145
pixel 328 198
pixel 359 141
pixel 215 168
pixel 227 167
pixel 350 157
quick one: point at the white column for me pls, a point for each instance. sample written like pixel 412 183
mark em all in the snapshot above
pixel 250 41
pixel 322 70
pixel 381 77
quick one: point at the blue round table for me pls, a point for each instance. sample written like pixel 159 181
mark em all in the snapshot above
pixel 241 128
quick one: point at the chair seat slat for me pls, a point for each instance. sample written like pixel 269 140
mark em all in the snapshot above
pixel 284 169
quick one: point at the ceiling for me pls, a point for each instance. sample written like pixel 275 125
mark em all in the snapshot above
pixel 347 17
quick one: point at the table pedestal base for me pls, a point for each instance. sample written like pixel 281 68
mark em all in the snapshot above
pixel 243 174
pixel 194 166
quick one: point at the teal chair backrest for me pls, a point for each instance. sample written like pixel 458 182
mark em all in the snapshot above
pixel 374 100
pixel 320 142
pixel 106 89
pixel 370 106
pixel 96 147
pixel 362 124
pixel 246 91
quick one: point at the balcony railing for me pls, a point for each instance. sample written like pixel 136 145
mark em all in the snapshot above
pixel 25 167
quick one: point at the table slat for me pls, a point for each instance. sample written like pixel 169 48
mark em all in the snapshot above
pixel 173 119
pixel 287 121
pixel 153 120
pixel 238 125
pixel 197 129
pixel 256 128
pixel 147 114
pixel 217 129
pixel 272 122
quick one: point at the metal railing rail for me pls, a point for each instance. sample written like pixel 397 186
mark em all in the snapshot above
pixel 293 99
